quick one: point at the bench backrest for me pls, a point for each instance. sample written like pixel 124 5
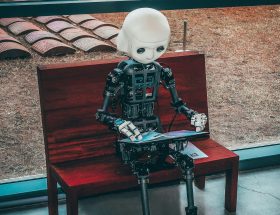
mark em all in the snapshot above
pixel 71 93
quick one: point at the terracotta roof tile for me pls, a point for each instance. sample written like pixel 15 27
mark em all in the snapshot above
pixel 7 21
pixel 114 41
pixel 40 35
pixel 48 19
pixel 50 47
pixel 8 38
pixel 73 34
pixel 106 32
pixel 78 19
pixel 13 50
pixel 92 44
pixel 94 24
pixel 58 26
pixel 2 32
pixel 20 28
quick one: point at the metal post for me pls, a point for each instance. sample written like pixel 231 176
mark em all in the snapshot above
pixel 144 195
pixel 185 36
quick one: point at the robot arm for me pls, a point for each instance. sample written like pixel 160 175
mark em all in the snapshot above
pixel 113 86
pixel 197 119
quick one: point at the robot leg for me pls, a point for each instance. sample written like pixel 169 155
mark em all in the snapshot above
pixel 143 180
pixel 186 165
pixel 142 172
pixel 191 209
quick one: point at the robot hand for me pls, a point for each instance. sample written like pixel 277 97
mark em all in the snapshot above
pixel 128 129
pixel 199 120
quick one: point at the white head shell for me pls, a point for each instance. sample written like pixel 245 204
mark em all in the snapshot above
pixel 144 35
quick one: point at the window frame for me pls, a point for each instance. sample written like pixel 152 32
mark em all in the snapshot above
pixel 61 7
pixel 15 192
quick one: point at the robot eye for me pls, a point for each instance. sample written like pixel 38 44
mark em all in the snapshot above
pixel 140 50
pixel 160 49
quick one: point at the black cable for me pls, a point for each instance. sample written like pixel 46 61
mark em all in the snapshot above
pixel 172 121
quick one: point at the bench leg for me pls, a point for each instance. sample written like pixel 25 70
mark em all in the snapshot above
pixel 231 188
pixel 52 195
pixel 72 203
pixel 200 182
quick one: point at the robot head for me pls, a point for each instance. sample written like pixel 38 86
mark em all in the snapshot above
pixel 144 35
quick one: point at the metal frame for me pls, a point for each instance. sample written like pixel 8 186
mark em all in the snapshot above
pixel 258 157
pixel 60 7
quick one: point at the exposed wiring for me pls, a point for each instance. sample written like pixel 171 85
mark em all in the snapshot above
pixel 172 121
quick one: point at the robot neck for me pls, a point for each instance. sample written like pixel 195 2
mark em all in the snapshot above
pixel 135 61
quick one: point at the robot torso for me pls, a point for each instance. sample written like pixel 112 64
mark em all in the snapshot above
pixel 139 93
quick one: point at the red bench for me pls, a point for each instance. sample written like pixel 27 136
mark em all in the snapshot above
pixel 80 155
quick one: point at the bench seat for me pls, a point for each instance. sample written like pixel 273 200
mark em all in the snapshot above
pixel 108 173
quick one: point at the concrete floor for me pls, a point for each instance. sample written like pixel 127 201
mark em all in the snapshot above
pixel 258 194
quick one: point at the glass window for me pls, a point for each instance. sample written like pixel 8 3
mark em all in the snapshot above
pixel 242 64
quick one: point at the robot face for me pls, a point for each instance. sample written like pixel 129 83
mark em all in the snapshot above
pixel 145 52
pixel 144 35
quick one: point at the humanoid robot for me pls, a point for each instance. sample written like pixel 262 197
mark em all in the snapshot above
pixel 134 85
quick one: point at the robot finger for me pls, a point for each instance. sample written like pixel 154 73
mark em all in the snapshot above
pixel 198 129
pixel 193 120
pixel 138 134
pixel 123 125
pixel 127 133
pixel 131 126
pixel 135 131
pixel 204 118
